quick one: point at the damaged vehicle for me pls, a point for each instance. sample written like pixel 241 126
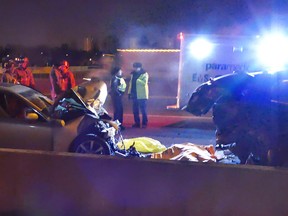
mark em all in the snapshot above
pixel 75 122
pixel 250 112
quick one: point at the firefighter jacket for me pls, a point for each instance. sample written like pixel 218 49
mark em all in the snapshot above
pixel 60 82
pixel 24 76
pixel 118 86
pixel 138 85
pixel 7 77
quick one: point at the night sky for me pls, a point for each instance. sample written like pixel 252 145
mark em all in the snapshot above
pixel 54 22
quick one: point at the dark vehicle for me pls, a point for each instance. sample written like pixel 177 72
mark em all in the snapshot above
pixel 76 122
pixel 250 112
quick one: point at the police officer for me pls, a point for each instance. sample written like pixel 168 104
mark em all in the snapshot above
pixel 118 87
pixel 61 79
pixel 138 92
pixel 23 74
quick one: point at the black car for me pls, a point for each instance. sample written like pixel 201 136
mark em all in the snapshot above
pixel 250 112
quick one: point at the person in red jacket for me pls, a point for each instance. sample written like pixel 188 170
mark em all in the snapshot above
pixel 61 79
pixel 24 75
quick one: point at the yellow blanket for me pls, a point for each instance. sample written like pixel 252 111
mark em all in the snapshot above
pixel 143 145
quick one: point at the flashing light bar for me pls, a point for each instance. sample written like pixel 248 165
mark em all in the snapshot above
pixel 272 50
pixel 148 50
pixel 201 48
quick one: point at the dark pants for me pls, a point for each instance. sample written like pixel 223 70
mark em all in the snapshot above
pixel 140 104
pixel 117 108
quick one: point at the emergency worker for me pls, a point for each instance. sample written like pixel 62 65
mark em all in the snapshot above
pixel 138 92
pixel 61 79
pixel 24 75
pixel 118 87
pixel 8 74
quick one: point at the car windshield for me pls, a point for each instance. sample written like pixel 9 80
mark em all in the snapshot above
pixel 41 101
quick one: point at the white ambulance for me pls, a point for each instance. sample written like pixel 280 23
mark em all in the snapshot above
pixel 205 56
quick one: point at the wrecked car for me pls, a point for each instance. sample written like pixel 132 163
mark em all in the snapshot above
pixel 250 113
pixel 75 122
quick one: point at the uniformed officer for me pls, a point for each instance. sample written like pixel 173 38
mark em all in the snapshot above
pixel 118 87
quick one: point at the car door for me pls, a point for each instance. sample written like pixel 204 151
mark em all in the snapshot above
pixel 16 131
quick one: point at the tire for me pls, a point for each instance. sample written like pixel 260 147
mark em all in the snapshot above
pixel 90 144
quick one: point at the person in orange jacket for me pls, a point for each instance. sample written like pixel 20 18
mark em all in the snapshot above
pixel 61 79
pixel 24 75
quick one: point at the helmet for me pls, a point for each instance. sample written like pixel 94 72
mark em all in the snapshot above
pixel 26 60
pixel 23 59
pixel 65 63
pixel 137 65
pixel 9 64
pixel 115 70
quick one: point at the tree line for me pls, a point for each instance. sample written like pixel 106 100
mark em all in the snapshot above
pixel 47 56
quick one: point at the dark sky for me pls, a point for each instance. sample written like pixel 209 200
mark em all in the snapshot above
pixel 53 22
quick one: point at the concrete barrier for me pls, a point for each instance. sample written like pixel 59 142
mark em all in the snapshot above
pixel 41 183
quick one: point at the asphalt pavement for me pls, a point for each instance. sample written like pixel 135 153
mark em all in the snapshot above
pixel 171 127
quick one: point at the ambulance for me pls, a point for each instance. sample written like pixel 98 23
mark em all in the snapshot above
pixel 208 56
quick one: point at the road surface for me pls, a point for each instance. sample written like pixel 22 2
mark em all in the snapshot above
pixel 173 129
pixel 169 126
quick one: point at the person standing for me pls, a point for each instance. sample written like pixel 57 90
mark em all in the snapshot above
pixel 8 76
pixel 138 92
pixel 61 79
pixel 118 87
pixel 24 75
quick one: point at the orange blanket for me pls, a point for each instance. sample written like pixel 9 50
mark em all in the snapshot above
pixel 188 152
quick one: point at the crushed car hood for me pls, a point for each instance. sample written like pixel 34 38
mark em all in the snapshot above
pixel 92 89
pixel 79 100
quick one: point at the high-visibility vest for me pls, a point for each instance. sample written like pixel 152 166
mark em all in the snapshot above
pixel 122 86
pixel 142 89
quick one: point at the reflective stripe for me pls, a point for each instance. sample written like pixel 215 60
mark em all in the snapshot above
pixel 122 86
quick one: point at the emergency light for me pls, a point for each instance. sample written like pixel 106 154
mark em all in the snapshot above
pixel 272 51
pixel 201 48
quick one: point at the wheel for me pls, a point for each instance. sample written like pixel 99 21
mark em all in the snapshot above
pixel 90 144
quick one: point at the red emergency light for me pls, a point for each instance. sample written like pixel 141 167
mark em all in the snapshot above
pixel 180 36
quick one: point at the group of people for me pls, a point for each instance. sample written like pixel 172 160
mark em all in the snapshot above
pixel 138 92
pixel 20 74
pixel 61 79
